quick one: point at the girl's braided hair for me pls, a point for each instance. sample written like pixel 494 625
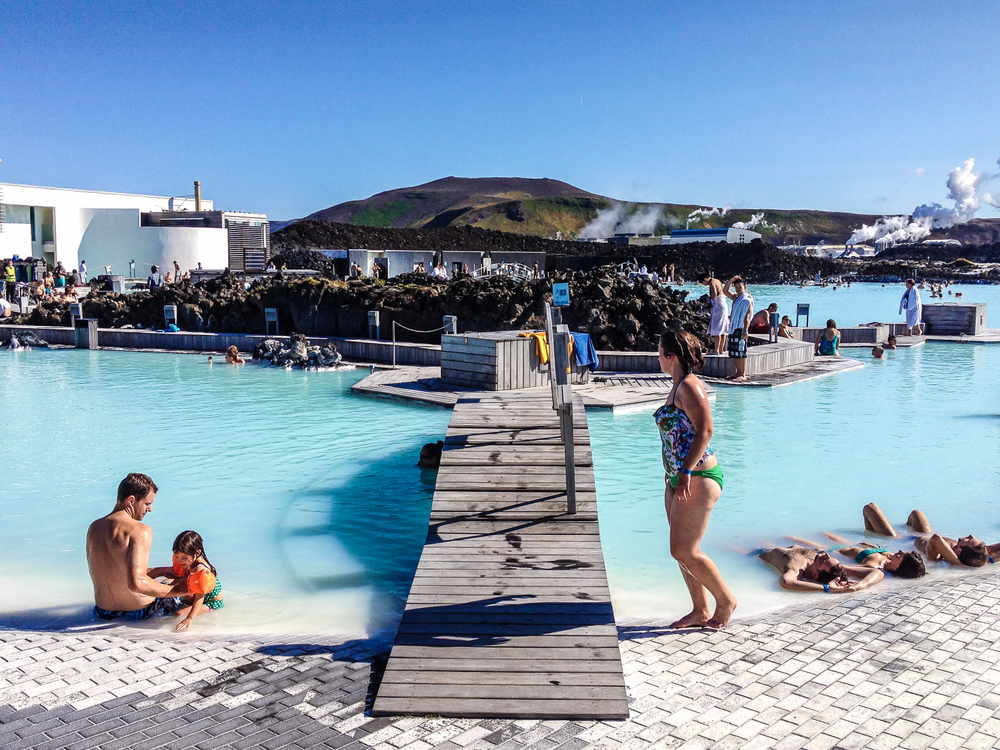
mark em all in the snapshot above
pixel 687 348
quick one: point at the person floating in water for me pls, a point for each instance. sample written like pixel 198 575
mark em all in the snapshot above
pixel 233 357
pixel 192 570
pixel 899 563
pixel 968 551
pixel 809 570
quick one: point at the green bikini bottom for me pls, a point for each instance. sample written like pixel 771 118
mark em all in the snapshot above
pixel 715 474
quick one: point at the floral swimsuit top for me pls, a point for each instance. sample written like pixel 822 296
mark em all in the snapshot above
pixel 676 433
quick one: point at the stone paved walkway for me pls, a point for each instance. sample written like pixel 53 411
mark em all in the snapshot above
pixel 915 668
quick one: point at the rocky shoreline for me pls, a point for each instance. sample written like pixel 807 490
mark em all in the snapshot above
pixel 619 314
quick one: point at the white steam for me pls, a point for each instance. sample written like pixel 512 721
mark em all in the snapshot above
pixel 617 219
pixel 963 189
pixel 700 214
pixel 757 220
pixel 989 197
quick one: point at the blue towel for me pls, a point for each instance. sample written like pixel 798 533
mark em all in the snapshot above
pixel 586 354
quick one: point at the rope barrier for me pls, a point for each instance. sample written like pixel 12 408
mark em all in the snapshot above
pixel 414 330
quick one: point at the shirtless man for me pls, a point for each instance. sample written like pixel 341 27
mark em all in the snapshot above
pixel 968 550
pixel 804 569
pixel 118 557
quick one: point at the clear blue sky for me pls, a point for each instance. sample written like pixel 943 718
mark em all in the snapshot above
pixel 291 107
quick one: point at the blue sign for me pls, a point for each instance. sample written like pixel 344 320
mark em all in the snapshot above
pixel 560 295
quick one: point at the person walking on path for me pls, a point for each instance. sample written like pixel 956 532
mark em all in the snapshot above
pixel 739 323
pixel 718 326
pixel 693 479
pixel 910 303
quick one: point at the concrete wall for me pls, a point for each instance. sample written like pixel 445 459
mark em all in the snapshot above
pixel 955 318
pixel 852 335
pixel 72 214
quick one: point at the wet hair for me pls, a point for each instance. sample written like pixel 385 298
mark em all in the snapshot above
pixel 912 282
pixel 190 543
pixel 233 351
pixel 892 337
pixel 704 277
pixel 773 307
pixel 738 280
pixel 831 323
pixel 154 269
pixel 686 347
pixel 973 555
pixel 784 318
pixel 836 573
pixel 911 566
pixel 137 486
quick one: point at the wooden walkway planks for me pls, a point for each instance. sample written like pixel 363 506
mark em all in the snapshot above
pixel 509 614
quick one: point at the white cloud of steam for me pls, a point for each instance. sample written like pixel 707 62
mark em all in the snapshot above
pixel 963 189
pixel 616 218
pixel 700 214
pixel 757 220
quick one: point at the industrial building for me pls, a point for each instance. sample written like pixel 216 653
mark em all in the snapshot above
pixel 117 229
pixel 830 251
pixel 684 236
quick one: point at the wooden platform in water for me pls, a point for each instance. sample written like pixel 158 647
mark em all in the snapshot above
pixel 509 614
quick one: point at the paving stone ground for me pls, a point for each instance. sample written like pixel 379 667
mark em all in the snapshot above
pixel 912 668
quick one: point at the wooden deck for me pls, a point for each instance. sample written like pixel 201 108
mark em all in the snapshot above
pixel 509 614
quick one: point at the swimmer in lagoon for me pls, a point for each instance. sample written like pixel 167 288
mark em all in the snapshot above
pixel 877 352
pixel 968 551
pixel 233 357
pixel 192 570
pixel 808 570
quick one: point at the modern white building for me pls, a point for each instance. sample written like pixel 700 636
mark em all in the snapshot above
pixel 683 236
pixel 114 229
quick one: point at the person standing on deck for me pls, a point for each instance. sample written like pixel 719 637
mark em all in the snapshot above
pixel 693 479
pixel 739 323
pixel 910 302
pixel 83 272
pixel 718 326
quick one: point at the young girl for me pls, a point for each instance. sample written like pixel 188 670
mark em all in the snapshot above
pixel 203 585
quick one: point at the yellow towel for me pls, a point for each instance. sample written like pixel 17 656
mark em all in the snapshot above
pixel 542 346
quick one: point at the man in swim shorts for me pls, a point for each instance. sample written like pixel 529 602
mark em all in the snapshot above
pixel 118 557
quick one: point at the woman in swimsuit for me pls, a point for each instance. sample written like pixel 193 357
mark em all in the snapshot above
pixel 900 564
pixel 828 342
pixel 811 570
pixel 693 479
pixel 968 550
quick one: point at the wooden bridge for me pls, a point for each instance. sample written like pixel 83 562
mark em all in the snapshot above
pixel 509 614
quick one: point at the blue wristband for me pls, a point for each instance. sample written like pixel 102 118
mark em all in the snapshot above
pixel 826 587
pixel 684 471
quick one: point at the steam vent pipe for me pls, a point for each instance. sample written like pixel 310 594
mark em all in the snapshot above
pixel 197 195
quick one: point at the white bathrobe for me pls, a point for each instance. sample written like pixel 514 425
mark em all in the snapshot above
pixel 913 307
pixel 720 316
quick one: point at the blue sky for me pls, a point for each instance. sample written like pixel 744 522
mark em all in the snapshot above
pixel 291 107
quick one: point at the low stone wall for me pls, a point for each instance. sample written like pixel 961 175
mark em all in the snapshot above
pixel 129 338
pixel 851 335
pixel 761 359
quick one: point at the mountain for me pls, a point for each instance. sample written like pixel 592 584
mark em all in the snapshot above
pixel 550 208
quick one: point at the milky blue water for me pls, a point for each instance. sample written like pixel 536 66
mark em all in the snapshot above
pixel 314 512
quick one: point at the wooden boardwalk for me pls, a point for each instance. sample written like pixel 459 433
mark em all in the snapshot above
pixel 509 614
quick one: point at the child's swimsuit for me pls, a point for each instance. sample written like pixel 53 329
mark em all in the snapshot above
pixel 676 434
pixel 202 581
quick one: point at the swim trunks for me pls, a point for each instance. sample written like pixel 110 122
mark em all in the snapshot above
pixel 737 345
pixel 863 554
pixel 715 474
pixel 157 608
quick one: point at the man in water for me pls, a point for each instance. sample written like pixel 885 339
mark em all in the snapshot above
pixel 118 556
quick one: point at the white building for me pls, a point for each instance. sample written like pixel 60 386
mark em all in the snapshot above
pixel 831 251
pixel 112 229
pixel 739 236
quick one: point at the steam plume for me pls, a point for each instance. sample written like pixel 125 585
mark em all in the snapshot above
pixel 616 218
pixel 755 221
pixel 700 214
pixel 963 189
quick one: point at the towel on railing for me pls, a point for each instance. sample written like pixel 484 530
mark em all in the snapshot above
pixel 586 354
pixel 542 345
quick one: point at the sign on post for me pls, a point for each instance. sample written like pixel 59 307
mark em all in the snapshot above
pixel 373 324
pixel 560 295
pixel 169 315
pixel 801 309
pixel 271 316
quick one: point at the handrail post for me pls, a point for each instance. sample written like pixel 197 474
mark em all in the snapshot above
pixel 394 345
pixel 558 338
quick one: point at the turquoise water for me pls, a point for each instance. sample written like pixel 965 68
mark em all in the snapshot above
pixel 309 500
pixel 314 512
pixel 920 429
pixel 861 303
